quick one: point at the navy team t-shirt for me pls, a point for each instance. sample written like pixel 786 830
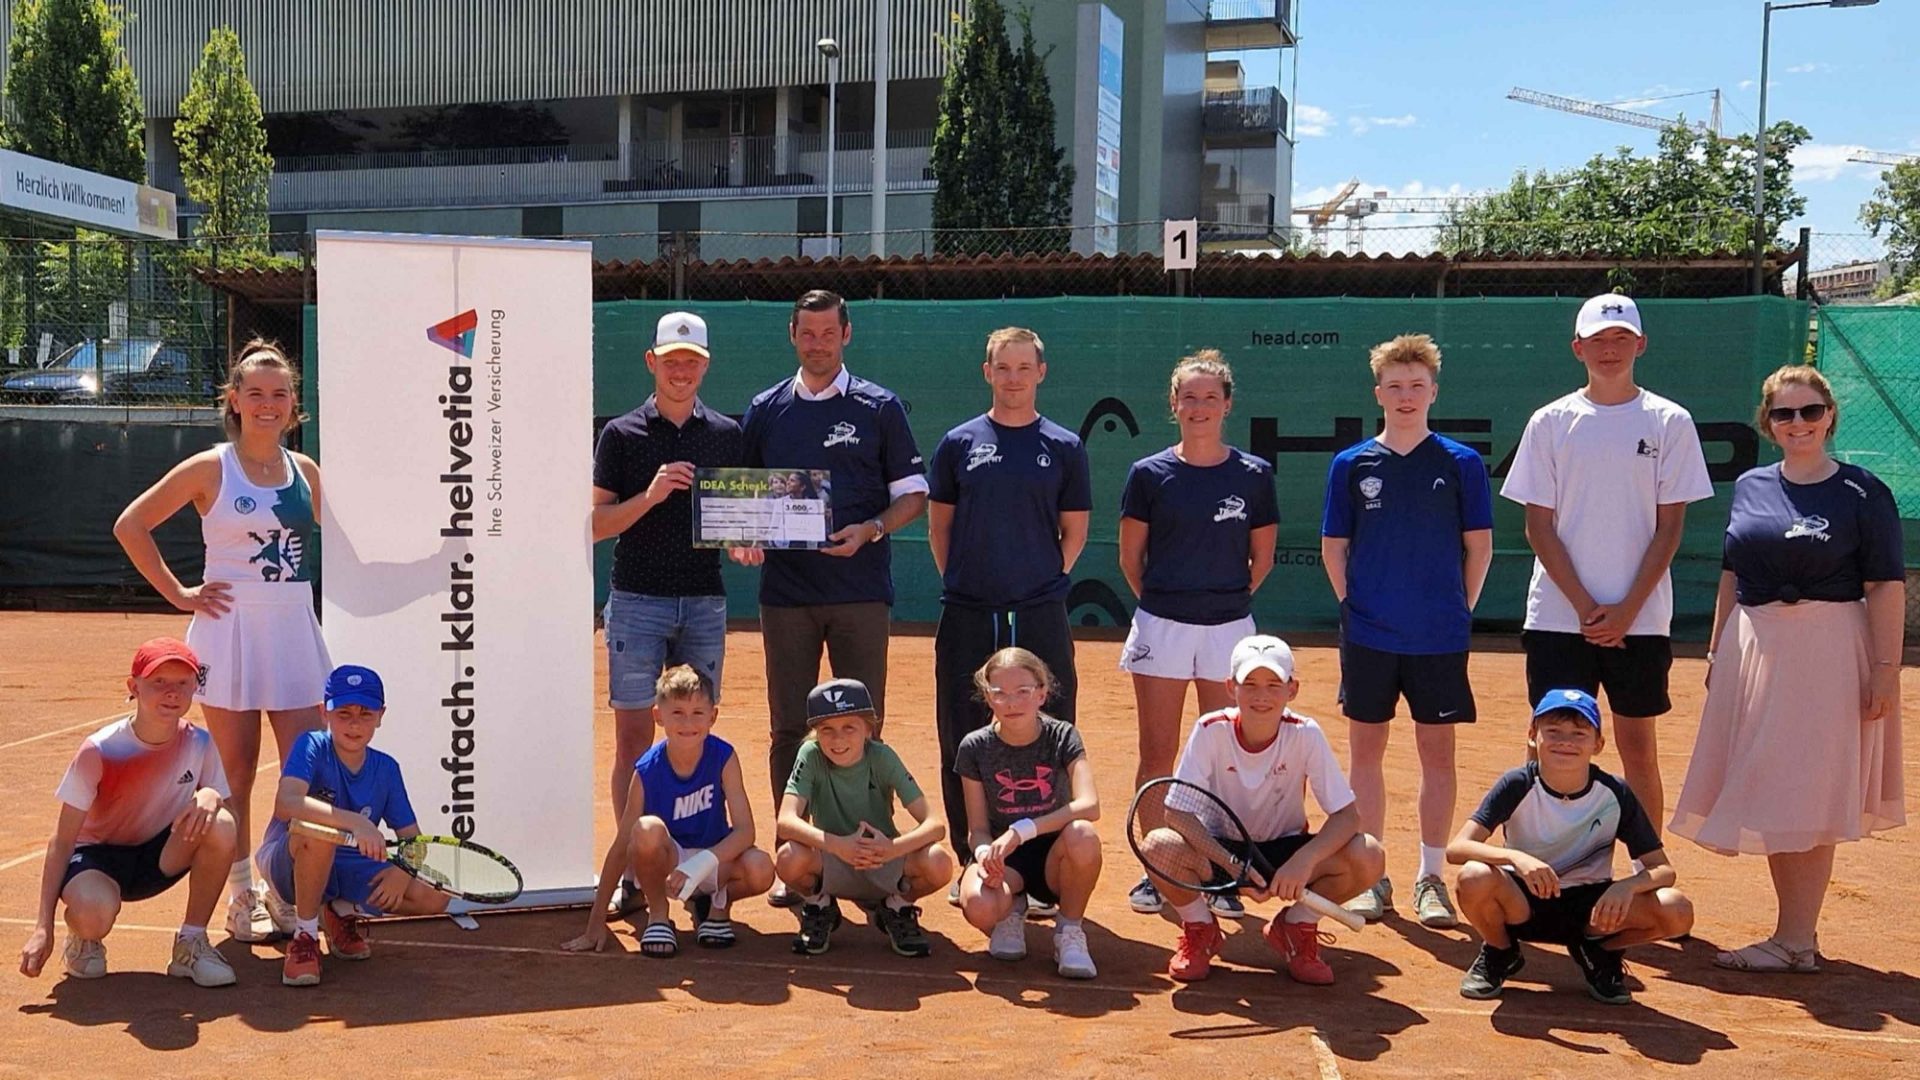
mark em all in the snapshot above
pixel 1402 515
pixel 1200 524
pixel 1824 541
pixel 862 438
pixel 1008 487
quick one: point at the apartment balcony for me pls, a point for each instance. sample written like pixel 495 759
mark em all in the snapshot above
pixel 1230 215
pixel 1252 116
pixel 690 168
pixel 1249 24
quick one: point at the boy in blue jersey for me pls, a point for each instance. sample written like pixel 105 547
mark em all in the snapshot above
pixel 334 777
pixel 687 829
pixel 1406 541
pixel 1553 880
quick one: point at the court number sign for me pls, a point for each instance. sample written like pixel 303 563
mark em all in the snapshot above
pixel 1180 243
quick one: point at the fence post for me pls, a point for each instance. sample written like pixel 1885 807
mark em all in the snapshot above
pixel 679 258
pixel 1800 290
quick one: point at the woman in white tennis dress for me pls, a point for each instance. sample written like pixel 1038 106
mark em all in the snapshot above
pixel 253 621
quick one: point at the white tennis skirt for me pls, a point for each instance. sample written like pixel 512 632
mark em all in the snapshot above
pixel 266 652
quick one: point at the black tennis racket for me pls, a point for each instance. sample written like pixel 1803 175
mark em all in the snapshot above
pixel 1186 836
pixel 456 867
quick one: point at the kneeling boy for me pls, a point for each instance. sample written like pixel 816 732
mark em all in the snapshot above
pixel 333 777
pixel 1553 881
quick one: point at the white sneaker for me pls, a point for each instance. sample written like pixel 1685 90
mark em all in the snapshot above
pixel 248 920
pixel 1070 953
pixel 85 959
pixel 1145 899
pixel 953 890
pixel 195 958
pixel 1008 941
pixel 279 912
pixel 1040 909
pixel 1374 903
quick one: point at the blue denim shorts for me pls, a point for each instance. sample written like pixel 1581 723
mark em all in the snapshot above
pixel 648 634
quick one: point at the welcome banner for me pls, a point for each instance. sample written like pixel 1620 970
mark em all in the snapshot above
pixel 458 386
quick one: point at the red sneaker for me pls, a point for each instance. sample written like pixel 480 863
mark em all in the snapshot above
pixel 1193 957
pixel 346 934
pixel 1299 944
pixel 303 962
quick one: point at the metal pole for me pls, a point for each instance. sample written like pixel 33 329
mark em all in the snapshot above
pixel 1760 157
pixel 833 110
pixel 882 59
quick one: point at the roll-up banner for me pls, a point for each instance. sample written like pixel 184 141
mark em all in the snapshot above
pixel 456 426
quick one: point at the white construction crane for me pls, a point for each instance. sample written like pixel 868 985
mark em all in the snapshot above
pixel 1881 157
pixel 1617 115
pixel 1357 211
pixel 1319 217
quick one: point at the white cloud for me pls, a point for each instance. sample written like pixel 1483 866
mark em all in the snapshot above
pixel 1311 121
pixel 1746 84
pixel 1818 162
pixel 1809 68
pixel 1360 125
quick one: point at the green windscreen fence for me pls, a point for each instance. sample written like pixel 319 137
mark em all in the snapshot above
pixel 1871 355
pixel 1302 392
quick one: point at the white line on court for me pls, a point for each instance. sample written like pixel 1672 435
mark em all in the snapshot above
pixel 1323 1057
pixel 1559 1019
pixel 102 722
pixel 39 851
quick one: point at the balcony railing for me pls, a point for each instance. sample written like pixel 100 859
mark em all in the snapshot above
pixel 1249 24
pixel 1259 109
pixel 1246 10
pixel 706 167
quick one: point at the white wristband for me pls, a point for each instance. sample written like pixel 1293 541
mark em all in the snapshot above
pixel 698 867
pixel 980 853
pixel 1025 829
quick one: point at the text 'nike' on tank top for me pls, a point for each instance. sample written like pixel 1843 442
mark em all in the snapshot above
pixel 256 533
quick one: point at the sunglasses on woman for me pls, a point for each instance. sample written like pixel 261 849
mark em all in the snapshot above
pixel 1810 413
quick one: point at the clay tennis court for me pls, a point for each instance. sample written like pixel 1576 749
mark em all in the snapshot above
pixel 504 1001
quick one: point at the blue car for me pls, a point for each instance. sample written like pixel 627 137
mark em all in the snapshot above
pixel 136 369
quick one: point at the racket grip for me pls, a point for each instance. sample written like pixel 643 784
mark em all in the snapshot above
pixel 1331 910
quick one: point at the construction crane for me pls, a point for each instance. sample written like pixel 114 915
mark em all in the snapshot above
pixel 1357 211
pixel 1619 116
pixel 1881 157
pixel 1319 217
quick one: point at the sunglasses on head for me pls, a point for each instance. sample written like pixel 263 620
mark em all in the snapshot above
pixel 1810 413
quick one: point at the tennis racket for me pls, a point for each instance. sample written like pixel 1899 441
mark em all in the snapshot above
pixel 457 867
pixel 1185 835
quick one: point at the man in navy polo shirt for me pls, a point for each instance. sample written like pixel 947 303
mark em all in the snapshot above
pixel 666 605
pixel 839 596
pixel 1006 522
pixel 1406 541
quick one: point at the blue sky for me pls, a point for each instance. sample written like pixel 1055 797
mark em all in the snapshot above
pixel 1410 97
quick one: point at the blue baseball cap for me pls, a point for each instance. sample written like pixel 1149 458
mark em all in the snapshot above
pixel 351 684
pixel 1574 701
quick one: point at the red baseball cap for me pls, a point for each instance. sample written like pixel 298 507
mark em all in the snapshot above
pixel 149 656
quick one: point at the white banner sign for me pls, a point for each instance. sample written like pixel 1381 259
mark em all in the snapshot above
pixel 64 193
pixel 456 421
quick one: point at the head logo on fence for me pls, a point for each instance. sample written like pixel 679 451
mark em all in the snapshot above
pixel 456 333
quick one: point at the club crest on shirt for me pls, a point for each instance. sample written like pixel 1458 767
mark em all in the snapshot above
pixel 842 433
pixel 1813 526
pixel 1647 449
pixel 244 504
pixel 1370 490
pixel 983 454
pixel 1044 461
pixel 1232 508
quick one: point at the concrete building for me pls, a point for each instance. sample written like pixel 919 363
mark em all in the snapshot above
pixel 1848 283
pixel 627 119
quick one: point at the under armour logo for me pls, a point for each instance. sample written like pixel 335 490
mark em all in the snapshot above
pixel 1613 309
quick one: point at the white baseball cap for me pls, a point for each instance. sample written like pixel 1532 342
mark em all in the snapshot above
pixel 1261 651
pixel 681 330
pixel 1605 311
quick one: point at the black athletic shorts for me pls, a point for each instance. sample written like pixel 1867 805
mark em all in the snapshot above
pixel 133 867
pixel 1372 683
pixel 1558 920
pixel 1029 860
pixel 1276 851
pixel 1634 677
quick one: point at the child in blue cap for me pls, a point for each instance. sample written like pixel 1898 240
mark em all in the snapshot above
pixel 333 777
pixel 1553 880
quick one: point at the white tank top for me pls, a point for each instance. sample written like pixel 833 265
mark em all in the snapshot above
pixel 258 534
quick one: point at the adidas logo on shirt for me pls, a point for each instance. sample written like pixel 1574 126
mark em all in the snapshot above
pixel 185 777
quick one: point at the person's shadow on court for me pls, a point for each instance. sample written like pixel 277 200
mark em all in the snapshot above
pixel 1125 980
pixel 1846 995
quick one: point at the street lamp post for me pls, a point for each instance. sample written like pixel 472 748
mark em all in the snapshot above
pixel 1760 135
pixel 830 49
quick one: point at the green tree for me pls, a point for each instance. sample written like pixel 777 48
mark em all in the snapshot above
pixel 995 156
pixel 70 93
pixel 223 146
pixel 1895 211
pixel 1693 196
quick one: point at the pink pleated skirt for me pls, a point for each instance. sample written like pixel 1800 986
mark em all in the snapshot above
pixel 1783 762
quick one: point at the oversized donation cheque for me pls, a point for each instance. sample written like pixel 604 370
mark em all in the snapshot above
pixel 769 508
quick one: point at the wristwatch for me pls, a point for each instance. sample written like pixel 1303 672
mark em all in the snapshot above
pixel 879 531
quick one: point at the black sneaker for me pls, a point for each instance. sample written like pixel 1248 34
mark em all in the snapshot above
pixel 1605 971
pixel 817 924
pixel 1490 972
pixel 902 927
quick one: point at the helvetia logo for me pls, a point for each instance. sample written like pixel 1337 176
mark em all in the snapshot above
pixel 456 333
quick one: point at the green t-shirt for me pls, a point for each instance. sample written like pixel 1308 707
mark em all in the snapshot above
pixel 839 799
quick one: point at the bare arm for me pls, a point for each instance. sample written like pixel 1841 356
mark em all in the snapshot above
pixel 1608 624
pixel 1133 553
pixel 195 480
pixel 939 531
pixel 1725 599
pixel 1886 634
pixel 1479 545
pixel 926 832
pixel 975 794
pixel 739 813
pixel 612 869
pixel 613 515
pixel 1260 544
pixel 1555 560
pixel 1333 558
pixel 1073 537
pixel 53 873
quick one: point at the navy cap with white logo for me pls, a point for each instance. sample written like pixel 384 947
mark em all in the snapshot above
pixel 838 697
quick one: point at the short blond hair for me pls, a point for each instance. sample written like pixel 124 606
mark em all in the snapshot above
pixel 1406 349
pixel 1015 335
pixel 682 682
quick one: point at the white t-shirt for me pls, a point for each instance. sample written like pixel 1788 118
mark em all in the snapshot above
pixel 1604 470
pixel 1267 788
pixel 129 789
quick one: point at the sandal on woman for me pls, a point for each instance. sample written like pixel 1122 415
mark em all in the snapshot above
pixel 1770 957
pixel 659 940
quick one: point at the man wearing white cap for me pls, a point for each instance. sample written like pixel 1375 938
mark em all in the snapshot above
pixel 1606 474
pixel 666 605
